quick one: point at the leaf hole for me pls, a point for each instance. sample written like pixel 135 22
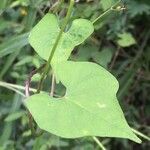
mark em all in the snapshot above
pixel 60 90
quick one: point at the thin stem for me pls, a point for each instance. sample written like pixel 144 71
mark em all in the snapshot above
pixel 4 84
pixel 27 94
pixel 52 85
pixel 11 88
pixel 31 125
pixel 99 143
pixel 141 134
pixel 58 6
pixel 14 87
pixel 47 67
pixel 28 81
pixel 106 12
pixel 114 58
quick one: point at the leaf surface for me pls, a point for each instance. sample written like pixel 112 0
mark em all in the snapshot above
pixel 44 34
pixel 89 107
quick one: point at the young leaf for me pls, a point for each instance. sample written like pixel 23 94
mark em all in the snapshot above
pixel 44 34
pixel 89 107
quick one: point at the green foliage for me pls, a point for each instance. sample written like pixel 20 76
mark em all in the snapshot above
pixel 136 8
pixel 130 65
pixel 14 116
pixel 13 44
pixel 49 29
pixel 79 112
pixel 126 39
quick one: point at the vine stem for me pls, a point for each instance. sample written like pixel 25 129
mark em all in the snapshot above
pixel 99 143
pixel 47 67
pixel 52 85
pixel 12 87
pixel 58 6
pixel 140 134
pixel 107 11
pixel 28 81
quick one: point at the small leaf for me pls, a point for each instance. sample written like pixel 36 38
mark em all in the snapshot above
pixel 126 39
pixel 89 107
pixel 44 34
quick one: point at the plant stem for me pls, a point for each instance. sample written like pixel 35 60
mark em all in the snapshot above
pixel 16 88
pixel 9 86
pixel 52 85
pixel 106 12
pixel 47 67
pixel 31 125
pixel 114 58
pixel 28 81
pixel 58 6
pixel 140 134
pixel 99 143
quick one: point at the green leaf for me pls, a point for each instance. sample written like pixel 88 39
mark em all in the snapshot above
pixel 103 57
pixel 44 34
pixel 89 107
pixel 13 44
pixel 14 116
pixel 4 25
pixel 107 3
pixel 126 39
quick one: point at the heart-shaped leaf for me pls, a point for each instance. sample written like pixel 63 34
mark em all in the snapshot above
pixel 89 107
pixel 44 34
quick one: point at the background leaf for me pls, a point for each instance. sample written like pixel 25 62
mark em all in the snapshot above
pixel 13 44
pixel 126 39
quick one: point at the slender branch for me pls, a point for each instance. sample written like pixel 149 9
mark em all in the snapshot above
pixel 47 67
pixel 112 8
pixel 28 81
pixel 6 85
pixel 27 94
pixel 16 88
pixel 31 125
pixel 99 143
pixel 114 58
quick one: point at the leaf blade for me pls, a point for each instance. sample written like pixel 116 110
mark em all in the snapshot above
pixel 87 107
pixel 49 29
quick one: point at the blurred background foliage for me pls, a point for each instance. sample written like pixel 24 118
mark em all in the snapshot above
pixel 120 43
